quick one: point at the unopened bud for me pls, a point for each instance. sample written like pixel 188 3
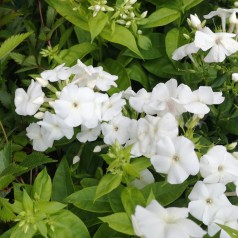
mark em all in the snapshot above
pixel 236 4
pixel 195 21
pixel 133 2
pixel 231 146
pixel 186 36
pixel 42 82
pixel 144 14
pixel 234 77
pixel 39 115
pixel 97 149
pixel 76 159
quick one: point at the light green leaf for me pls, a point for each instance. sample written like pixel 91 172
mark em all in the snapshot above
pixel 6 211
pixel 131 197
pixel 107 184
pixel 84 199
pixel 50 207
pixel 5 156
pixel 70 56
pixel 231 232
pixel 27 202
pixel 19 232
pixel 96 24
pixel 104 231
pixel 141 163
pixel 6 180
pixel 144 42
pixel 62 182
pixel 11 43
pixel 67 224
pixel 161 17
pixel 131 170
pixel 65 9
pixel 121 36
pixel 119 222
pixel 42 187
pixel 174 39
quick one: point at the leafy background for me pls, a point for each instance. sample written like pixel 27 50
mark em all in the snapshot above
pixel 39 35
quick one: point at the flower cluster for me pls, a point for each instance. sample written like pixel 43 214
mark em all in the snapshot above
pixel 219 44
pixel 100 5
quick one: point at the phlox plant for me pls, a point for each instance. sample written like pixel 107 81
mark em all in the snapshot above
pixel 124 120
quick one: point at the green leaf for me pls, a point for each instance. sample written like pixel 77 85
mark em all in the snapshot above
pixel 50 207
pixel 131 170
pixel 104 231
pixel 27 202
pixel 107 184
pixel 42 186
pixel 144 42
pixel 19 232
pixel 70 56
pixel 6 212
pixel 121 36
pixel 119 222
pixel 161 17
pixel 96 24
pixel 36 159
pixel 131 197
pixel 141 163
pixel 67 224
pixel 65 9
pixel 115 199
pixel 174 39
pixel 5 156
pixel 13 169
pixel 11 43
pixel 231 232
pixel 165 193
pixel 116 68
pixel 62 182
pixel 6 180
pixel 84 199
pixel 187 4
pixel 137 73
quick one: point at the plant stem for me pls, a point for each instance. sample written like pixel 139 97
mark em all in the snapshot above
pixel 4 132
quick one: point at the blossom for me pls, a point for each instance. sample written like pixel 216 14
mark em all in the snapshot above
pixel 55 127
pixel 116 129
pixel 39 137
pixel 27 103
pixel 218 166
pixel 58 73
pixel 226 215
pixel 234 77
pixel 88 134
pixel 176 158
pixel 185 50
pixel 76 106
pixel 156 221
pixel 223 14
pixel 206 199
pixel 146 177
pixel 220 44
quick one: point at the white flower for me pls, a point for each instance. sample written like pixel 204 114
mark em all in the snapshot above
pixel 128 93
pixel 205 200
pixel 56 74
pixel 226 215
pixel 112 107
pixel 116 129
pixel 146 177
pixel 89 134
pixel 223 14
pixel 185 50
pixel 55 127
pixel 27 103
pixel 154 221
pixel 166 93
pixel 76 106
pixel 39 137
pixel 218 166
pixel 195 21
pixel 220 44
pixel 234 77
pixel 104 80
pixel 176 158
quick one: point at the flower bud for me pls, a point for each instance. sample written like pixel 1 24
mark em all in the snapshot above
pixel 231 146
pixel 144 14
pixel 133 1
pixel 232 19
pixel 76 159
pixel 42 82
pixel 97 149
pixel 195 21
pixel 39 115
pixel 234 77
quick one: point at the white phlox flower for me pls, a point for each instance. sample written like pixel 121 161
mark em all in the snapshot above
pixel 146 177
pixel 166 93
pixel 128 93
pixel 223 14
pixel 196 101
pixel 116 130
pixel 226 215
pixel 146 132
pixel 76 106
pixel 104 80
pixel 112 107
pixel 156 221
pixel 176 158
pixel 206 200
pixel 220 44
pixel 58 73
pixel 89 134
pixel 234 77
pixel 55 127
pixel 185 50
pixel 84 76
pixel 28 102
pixel 195 22
pixel 39 137
pixel 218 166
